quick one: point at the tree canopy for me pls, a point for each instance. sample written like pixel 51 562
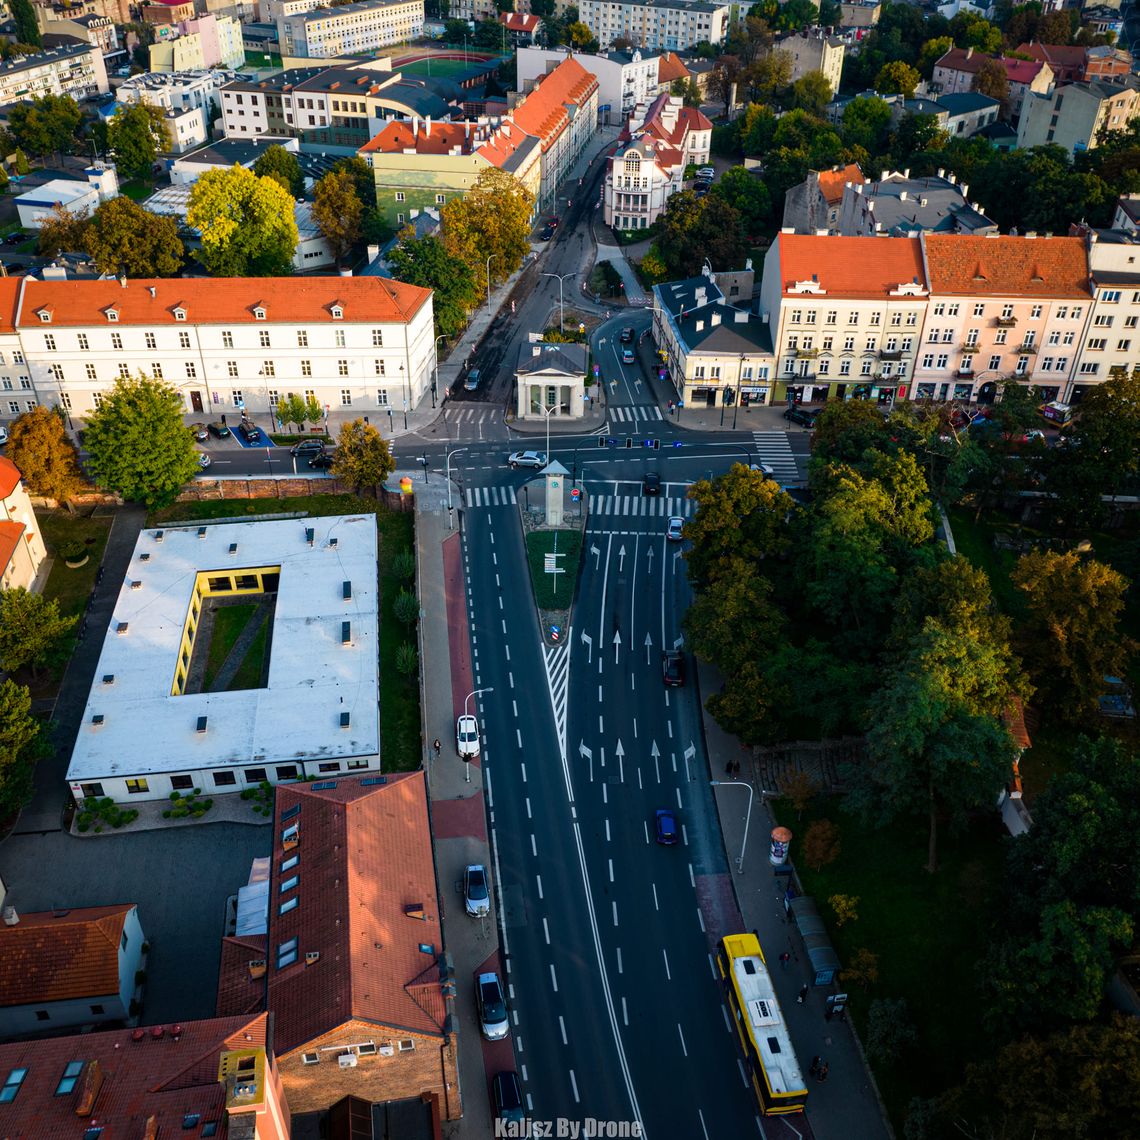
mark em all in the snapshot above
pixel 45 125
pixel 426 262
pixel 45 454
pixel 246 223
pixel 338 212
pixel 20 747
pixel 127 240
pixel 137 444
pixel 281 164
pixel 31 630
pixel 492 220
pixel 135 136
pixel 362 456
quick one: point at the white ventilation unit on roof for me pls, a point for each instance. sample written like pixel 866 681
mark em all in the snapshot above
pixel 347 1060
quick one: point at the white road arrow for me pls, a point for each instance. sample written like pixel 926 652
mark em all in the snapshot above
pixel 690 752
pixel 617 644
pixel 620 753
pixel 651 560
pixel 648 647
pixel 597 555
pixel 589 644
pixel 621 558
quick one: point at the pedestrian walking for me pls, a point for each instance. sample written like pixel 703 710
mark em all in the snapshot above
pixel 815 1063
pixel 823 1071
pixel 437 746
pixel 802 995
pixel 785 958
pixel 728 768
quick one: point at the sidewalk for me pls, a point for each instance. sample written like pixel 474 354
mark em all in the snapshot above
pixel 847 1104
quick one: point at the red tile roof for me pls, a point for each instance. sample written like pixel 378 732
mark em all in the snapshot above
pixel 9 292
pixel 503 143
pixel 970 61
pixel 1061 55
pixel 161 1077
pixel 1007 266
pixel 62 956
pixel 832 182
pixel 850 266
pixel 239 992
pixel 10 535
pixel 422 136
pixel 543 112
pixel 9 476
pixel 670 68
pixel 220 300
pixel 365 859
pixel 519 21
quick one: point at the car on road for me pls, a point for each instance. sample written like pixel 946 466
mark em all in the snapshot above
pixel 3 435
pixel 308 447
pixel 701 189
pixel 322 461
pixel 506 1092
pixel 204 461
pixel 476 896
pixel 706 172
pixel 805 417
pixel 220 430
pixel 673 668
pixel 651 483
pixel 552 223
pixel 767 471
pixel 627 334
pixel 251 433
pixel 492 1007
pixel 627 356
pixel 535 459
pixel 674 532
pixel 467 735
pixel 666 829
pixel 17 238
pixel 200 432
pixel 547 234
pixel 472 381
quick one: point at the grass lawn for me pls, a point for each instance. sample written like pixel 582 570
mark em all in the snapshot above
pixel 229 621
pixel 439 68
pixel 252 668
pixel 400 738
pixel 927 930
pixel 975 542
pixel 136 190
pixel 553 591
pixel 72 588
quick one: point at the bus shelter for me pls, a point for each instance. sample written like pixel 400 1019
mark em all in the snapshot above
pixel 821 954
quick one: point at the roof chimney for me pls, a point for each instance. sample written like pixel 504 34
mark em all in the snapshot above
pixel 969 52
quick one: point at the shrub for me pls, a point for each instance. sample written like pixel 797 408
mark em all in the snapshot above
pixel 821 844
pixel 406 607
pixel 404 565
pixel 407 659
pixel 844 907
pixel 889 1030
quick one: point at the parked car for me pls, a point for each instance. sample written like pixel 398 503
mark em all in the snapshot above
pixel 476 896
pixel 552 223
pixel 547 234
pixel 251 433
pixel 627 356
pixel 666 827
pixel 673 668
pixel 627 334
pixel 651 483
pixel 805 417
pixel 506 1092
pixel 706 172
pixel 219 429
pixel 308 447
pixel 204 461
pixel 3 435
pixel 535 459
pixel 764 469
pixel 200 432
pixel 492 1007
pixel 322 461
pixel 18 237
pixel 467 735
pixel 674 532
pixel 472 381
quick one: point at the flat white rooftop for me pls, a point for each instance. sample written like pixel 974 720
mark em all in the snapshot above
pixel 314 676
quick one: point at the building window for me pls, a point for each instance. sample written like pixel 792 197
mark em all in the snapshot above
pixel 399 195
pixel 181 783
pixel 286 953
pixel 310 1058
pixel 224 779
pixel 306 368
pixel 150 341
pixel 288 884
pixel 124 372
pixel 263 338
pixel 97 397
pixel 845 368
pixel 302 339
pixel 156 370
pixel 72 1070
pixel 83 341
pixel 995 362
pixel 183 338
pixel 117 341
pixel 340 338
pixel 49 342
pixel 227 340
pixel 268 369
pixel 12 1084
pixel 1109 296
pixel 1089 368
pixel 286 771
pixel 191 370
pixel 232 370
pixel 97 1010
pixel 137 786
pixel 90 370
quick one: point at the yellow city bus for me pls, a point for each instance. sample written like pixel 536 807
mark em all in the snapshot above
pixel 768 1054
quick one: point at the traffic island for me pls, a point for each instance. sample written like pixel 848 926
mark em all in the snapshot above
pixel 554 521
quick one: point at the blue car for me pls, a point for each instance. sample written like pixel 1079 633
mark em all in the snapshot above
pixel 667 831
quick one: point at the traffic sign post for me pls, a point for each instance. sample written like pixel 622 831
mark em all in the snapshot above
pixel 555 633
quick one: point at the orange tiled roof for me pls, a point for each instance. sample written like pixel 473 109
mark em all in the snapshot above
pixel 543 112
pixel 969 60
pixel 1007 266
pixel 220 300
pixel 670 68
pixel 519 21
pixel 851 266
pixel 9 292
pixel 10 535
pixel 1060 54
pixel 832 182
pixel 238 991
pixel 161 1077
pixel 421 136
pixel 66 956
pixel 9 476
pixel 365 858
pixel 503 143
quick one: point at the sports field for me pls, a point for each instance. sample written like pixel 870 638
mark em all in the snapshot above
pixel 441 67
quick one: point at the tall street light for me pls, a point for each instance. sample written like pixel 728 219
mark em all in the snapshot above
pixel 476 693
pixel 490 256
pixel 747 818
pixel 435 372
pixel 548 412
pixel 407 393
pixel 739 376
pixel 449 455
pixel 561 278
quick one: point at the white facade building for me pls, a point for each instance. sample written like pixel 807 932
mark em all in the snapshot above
pixel 351 29
pixel 185 96
pixel 625 79
pixel 359 344
pixel 655 25
pixel 148 729
pixel 76 70
pixel 35 206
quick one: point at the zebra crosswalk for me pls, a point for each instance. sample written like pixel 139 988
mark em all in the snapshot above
pixel 773 449
pixel 623 414
pixel 458 414
pixel 490 496
pixel 641 506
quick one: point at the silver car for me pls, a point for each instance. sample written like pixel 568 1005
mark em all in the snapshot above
pixel 492 1007
pixel 476 895
pixel 535 459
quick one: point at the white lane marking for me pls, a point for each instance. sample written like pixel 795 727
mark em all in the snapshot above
pixel 702 1118
pixel 553 978
pixel 538 879
pixel 529 813
pixel 682 1036
pixel 615 912
pixel 546 930
pixel 692 878
pixel 608 831
pixel 656 904
pixel 619 960
pixel 665 955
pixel 679 804
pixel 533 847
pixel 522 770
pixel 562 1026
pixel 515 708
pixel 624 1012
pixel 740 1069
pixel 684 835
pixel 506 647
pixel 727 1023
pixel 574 1084
pixel 700 920
pixel 611 863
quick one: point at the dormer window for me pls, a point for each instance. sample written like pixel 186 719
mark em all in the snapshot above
pixel 44 315
pixel 258 313
pixel 337 313
pixel 179 313
pixel 112 315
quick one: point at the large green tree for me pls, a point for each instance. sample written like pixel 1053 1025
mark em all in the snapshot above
pixel 137 444
pixel 246 224
pixel 27 26
pixel 63 231
pixel 362 456
pixel 426 262
pixel 135 135
pixel 897 78
pixel 20 747
pixel 32 630
pixel 338 212
pixel 129 241
pixel 45 454
pixel 279 163
pixel 491 221
pixel 47 125
pixel 746 193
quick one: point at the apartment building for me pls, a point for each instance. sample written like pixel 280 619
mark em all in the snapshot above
pixel 846 315
pixel 1112 339
pixel 815 49
pixel 1003 309
pixel 167 11
pixel 562 113
pixel 72 69
pixel 186 96
pixel 656 25
pixel 815 203
pixel 955 71
pixel 204 42
pixel 421 165
pixel 278 11
pixel 22 550
pixel 229 344
pixel 863 14
pixel 98 31
pixel 897 205
pixel 352 29
pixel 1074 115
pixel 625 79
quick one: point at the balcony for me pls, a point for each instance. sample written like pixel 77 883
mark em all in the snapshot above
pixel 890 354
pixel 965 373
pixel 806 353
pixel 1025 348
pixel 1005 322
pixel 968 346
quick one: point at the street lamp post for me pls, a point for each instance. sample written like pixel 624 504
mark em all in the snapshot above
pixel 548 412
pixel 476 693
pixel 739 376
pixel 449 455
pixel 561 277
pixel 404 378
pixel 747 818
pixel 435 372
pixel 489 258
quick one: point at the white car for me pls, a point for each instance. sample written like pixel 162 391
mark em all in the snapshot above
pixel 535 459
pixel 3 435
pixel 764 469
pixel 204 461
pixel 674 532
pixel 467 735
